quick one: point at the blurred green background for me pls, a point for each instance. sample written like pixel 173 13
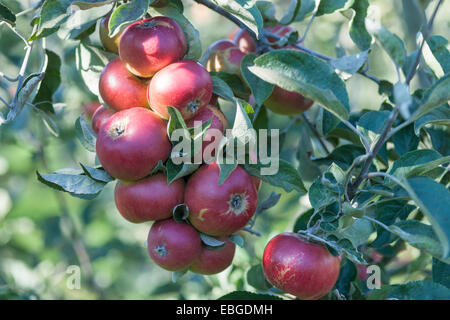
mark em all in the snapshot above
pixel 42 231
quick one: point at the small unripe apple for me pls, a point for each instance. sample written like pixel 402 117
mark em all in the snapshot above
pixel 131 143
pixel 220 210
pixel 218 122
pixel 101 116
pixel 214 260
pixel 149 199
pixel 149 45
pixel 120 89
pixel 225 56
pixel 185 85
pixel 245 41
pixel 173 245
pixel 111 44
pixel 305 269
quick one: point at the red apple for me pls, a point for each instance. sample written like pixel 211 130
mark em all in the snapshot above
pixel 218 122
pixel 220 210
pixel 287 102
pixel 149 199
pixel 131 143
pixel 225 56
pixel 185 85
pixel 111 44
pixel 245 41
pixel 120 89
pixel 214 260
pixel 101 116
pixel 305 269
pixel 173 245
pixel 149 45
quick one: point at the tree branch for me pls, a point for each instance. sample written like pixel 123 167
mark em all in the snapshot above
pixel 316 133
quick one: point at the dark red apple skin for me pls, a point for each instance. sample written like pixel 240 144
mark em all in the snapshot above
pixel 120 89
pixel 210 205
pixel 218 122
pixel 304 269
pixel 111 44
pixel 101 116
pixel 131 143
pixel 148 199
pixel 89 108
pixel 185 85
pixel 214 260
pixel 224 55
pixel 245 41
pixel 362 272
pixel 149 45
pixel 172 245
pixel 286 102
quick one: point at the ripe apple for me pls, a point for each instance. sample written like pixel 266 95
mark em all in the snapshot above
pixel 120 89
pixel 149 199
pixel 287 102
pixel 218 122
pixel 111 44
pixel 220 210
pixel 173 245
pixel 305 269
pixel 131 143
pixel 245 41
pixel 185 85
pixel 101 116
pixel 214 260
pixel 224 55
pixel 149 45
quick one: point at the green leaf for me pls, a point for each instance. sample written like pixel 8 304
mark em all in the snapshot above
pixel 245 295
pixel 176 121
pixel 125 14
pixel 441 272
pixel 358 32
pixel 320 195
pixel 302 221
pixel 256 278
pixel 7 15
pixel 439 116
pixel 438 45
pixel 194 51
pixel 222 89
pixel 178 274
pixel 436 95
pixel 417 163
pixel 330 6
pixel 211 241
pixel 225 170
pixel 177 171
pixel 237 239
pixel 261 89
pixel 246 11
pixel 78 185
pixel 234 82
pixel 53 13
pixel 358 233
pixel 98 174
pixel 347 274
pixel 267 10
pixel 90 62
pixel 405 140
pixel 434 201
pixel 88 4
pixel 300 72
pixel 270 202
pixel 242 123
pixel 50 83
pixel 343 156
pixel 371 125
pixel 85 134
pixel 415 290
pixel 390 42
pixel 287 176
pixel 306 8
pixel 291 13
pixel 349 65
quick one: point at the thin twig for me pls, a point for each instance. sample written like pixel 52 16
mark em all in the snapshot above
pixel 425 38
pixel 308 26
pixel 6 103
pixel 251 231
pixel 316 133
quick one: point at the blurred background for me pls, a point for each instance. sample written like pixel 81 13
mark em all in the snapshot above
pixel 43 232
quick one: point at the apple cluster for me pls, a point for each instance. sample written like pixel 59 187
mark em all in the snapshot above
pixel 149 75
